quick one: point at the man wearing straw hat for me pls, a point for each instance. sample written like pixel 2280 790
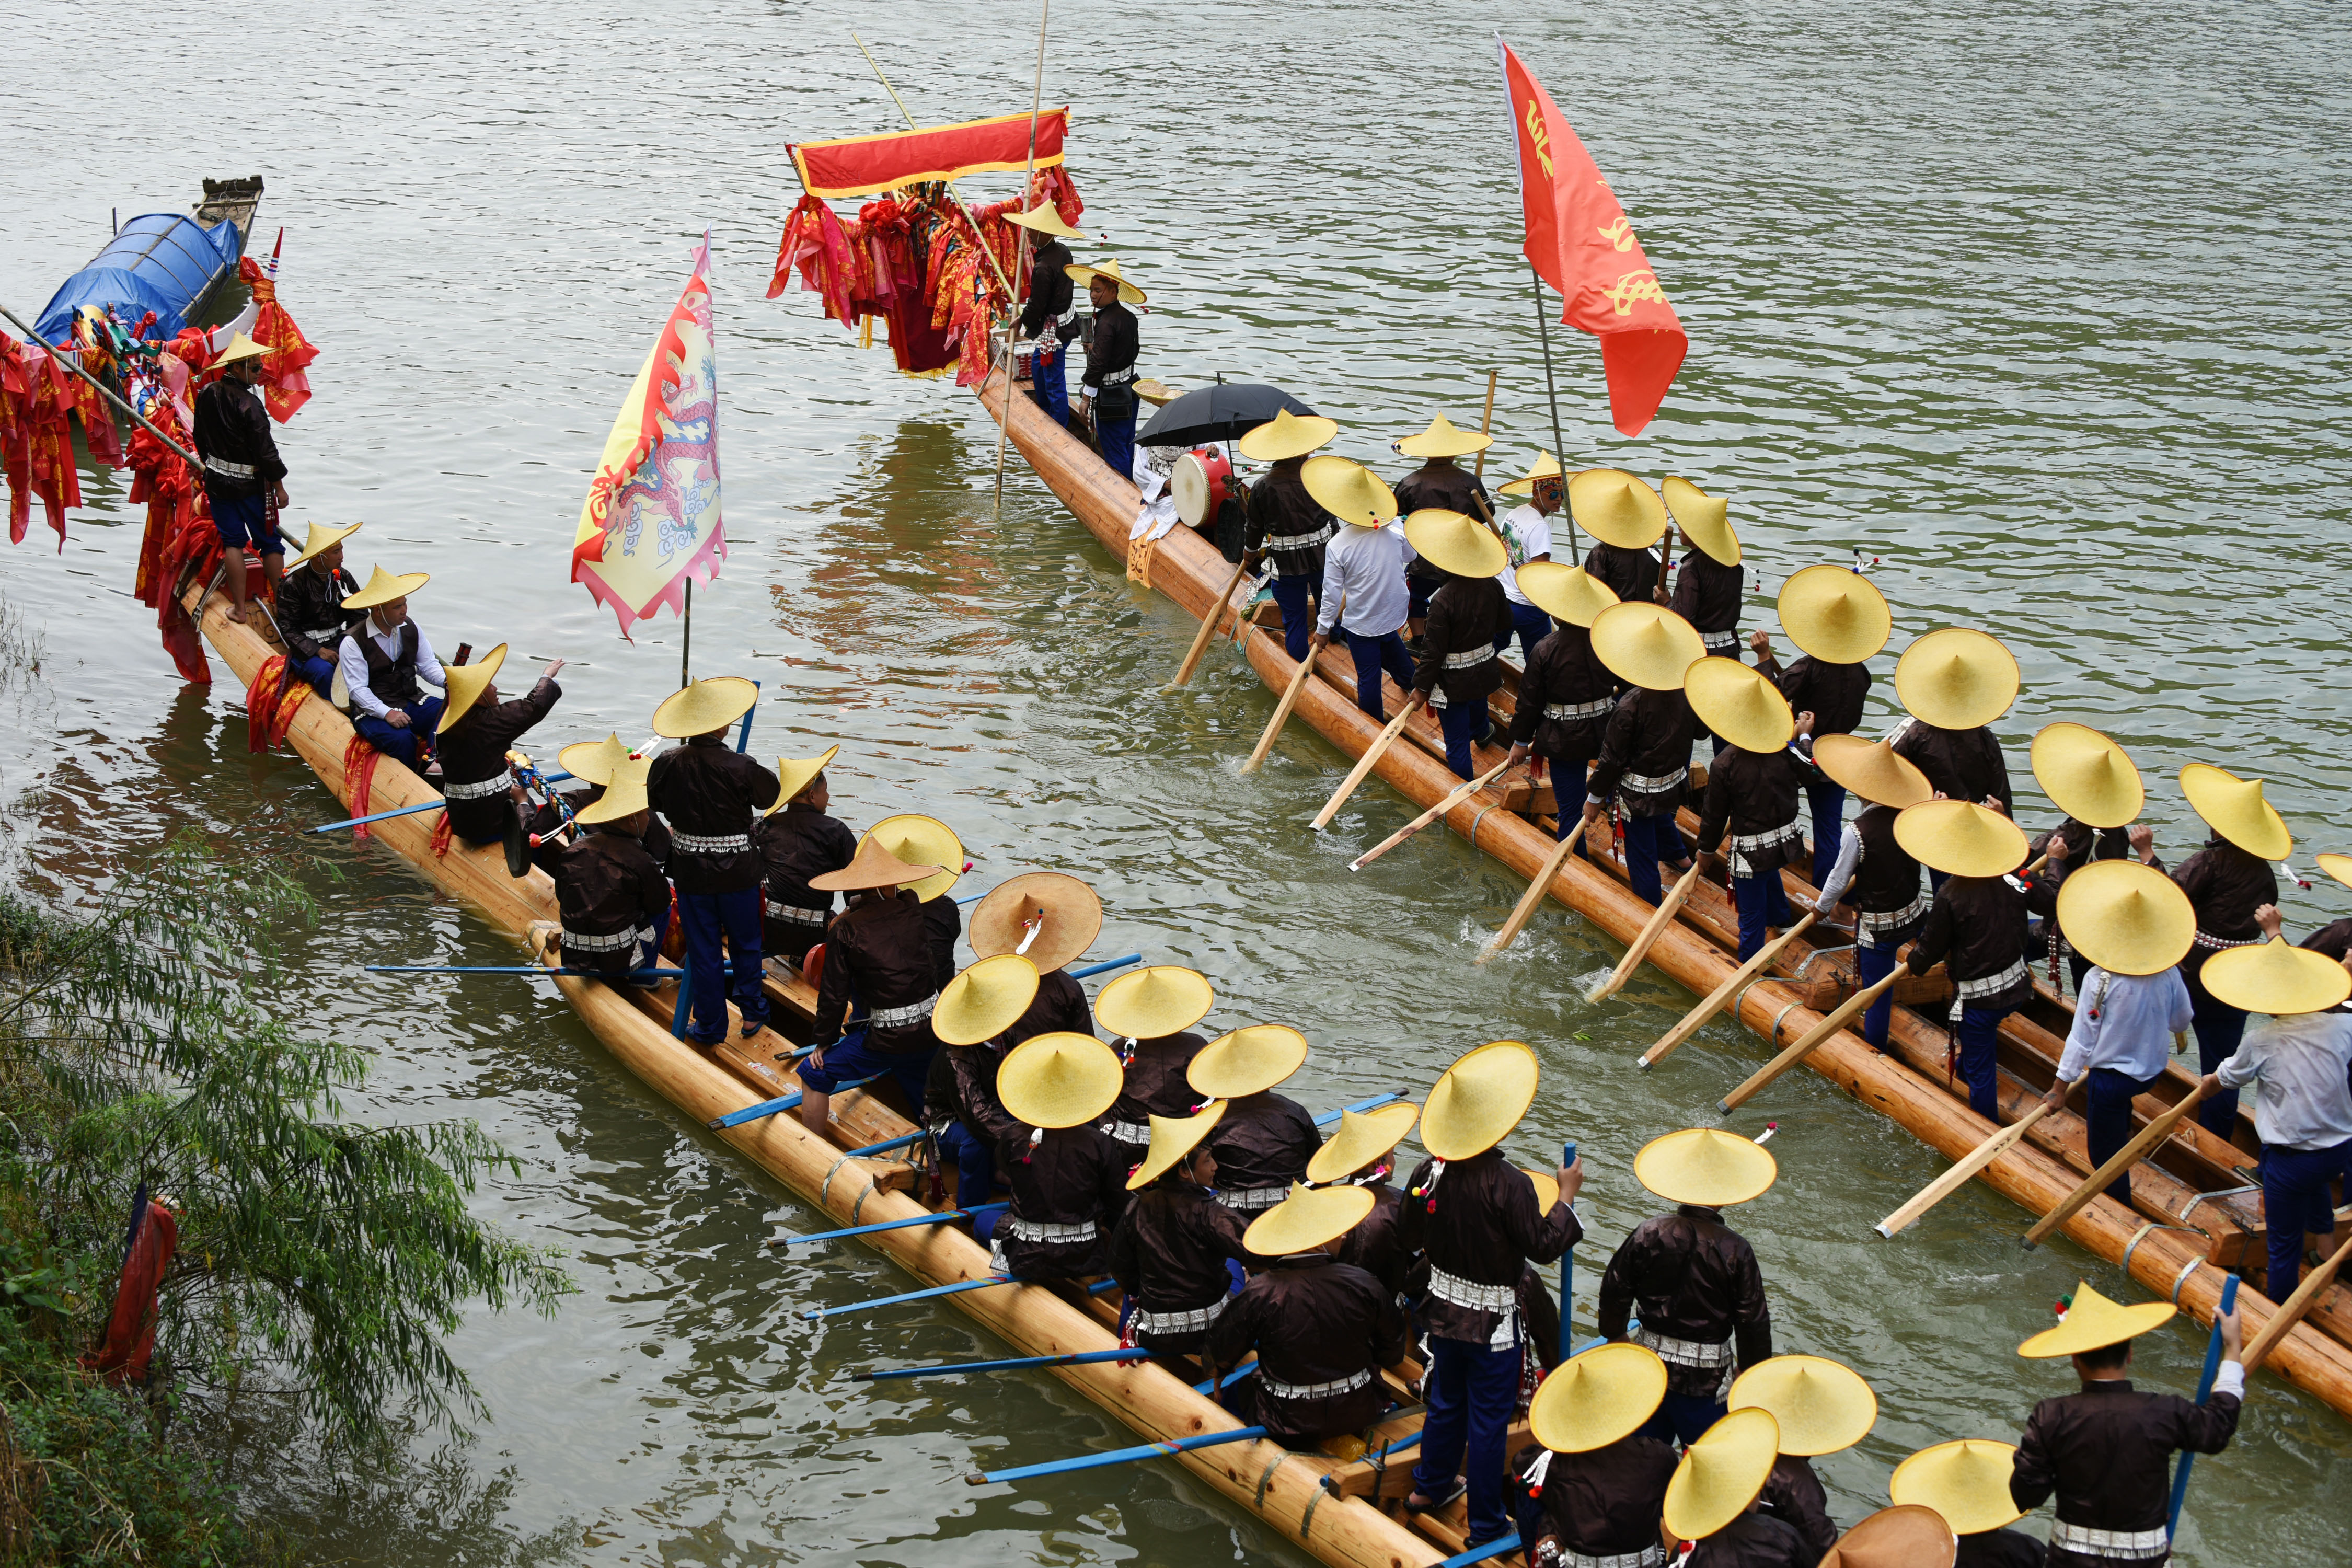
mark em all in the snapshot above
pixel 1976 927
pixel 387 665
pixel 1069 1181
pixel 614 899
pixel 2107 1450
pixel 879 953
pixel 1714 1500
pixel 1363 589
pixel 1713 581
pixel 1048 303
pixel 1625 518
pixel 1750 819
pixel 1051 919
pixel 1177 1250
pixel 242 473
pixel 1438 485
pixel 921 841
pixel 1111 352
pixel 1967 1483
pixel 1288 526
pixel 310 605
pixel 1889 904
pixel 1526 532
pixel 1264 1140
pixel 475 732
pixel 1566 694
pixel 712 796
pixel 1595 1485
pixel 1151 1014
pixel 798 839
pixel 1644 761
pixel 1822 1406
pixel 1362 1153
pixel 1468 620
pixel 1838 619
pixel 1480 1221
pixel 1954 683
pixel 594 763
pixel 2226 881
pixel 960 1108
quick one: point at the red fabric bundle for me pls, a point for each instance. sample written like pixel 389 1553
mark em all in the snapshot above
pixel 180 534
pixel 37 401
pixel 358 774
pixel 129 1341
pixel 816 243
pixel 270 704
pixel 285 386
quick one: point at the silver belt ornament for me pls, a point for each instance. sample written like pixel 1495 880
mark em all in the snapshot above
pixel 791 915
pixel 1967 991
pixel 1743 844
pixel 1870 922
pixel 1127 1132
pixel 1315 1390
pixel 228 469
pixel 2122 1545
pixel 1472 660
pixel 1252 1198
pixel 323 634
pixel 902 1017
pixel 2216 943
pixel 1041 1231
pixel 1119 377
pixel 1300 541
pixel 481 789
pixel 1470 1295
pixel 613 942
pixel 1685 1353
pixel 1643 784
pixel 1713 640
pixel 1569 712
pixel 1648 1557
pixel 710 843
pixel 1199 1318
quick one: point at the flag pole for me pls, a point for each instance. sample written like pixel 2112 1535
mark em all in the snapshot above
pixel 1552 390
pixel 1028 178
pixel 686 638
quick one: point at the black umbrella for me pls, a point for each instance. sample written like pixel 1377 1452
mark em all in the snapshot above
pixel 1217 414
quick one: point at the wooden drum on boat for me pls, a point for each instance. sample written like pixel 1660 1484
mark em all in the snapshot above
pixel 1202 482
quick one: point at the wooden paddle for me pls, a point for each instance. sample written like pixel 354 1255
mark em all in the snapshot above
pixel 1208 630
pixel 1811 1040
pixel 1659 920
pixel 2154 1132
pixel 1969 1164
pixel 1485 425
pixel 1281 709
pixel 1714 999
pixel 1356 775
pixel 1525 910
pixel 2307 1295
pixel 1461 793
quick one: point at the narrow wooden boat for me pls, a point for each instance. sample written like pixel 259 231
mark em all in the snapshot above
pixel 171 263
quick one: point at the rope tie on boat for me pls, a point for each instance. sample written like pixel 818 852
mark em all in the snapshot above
pixel 858 1207
pixel 2141 1234
pixel 2182 1279
pixel 1266 1479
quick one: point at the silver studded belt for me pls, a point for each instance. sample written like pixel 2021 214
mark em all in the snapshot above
pixel 1315 1390
pixel 324 634
pixel 1713 640
pixel 1119 377
pixel 791 915
pixel 1643 784
pixel 1569 712
pixel 1300 541
pixel 613 942
pixel 1648 1557
pixel 2123 1545
pixel 901 1017
pixel 481 789
pixel 2215 944
pixel 1040 1231
pixel 1251 1197
pixel 1470 1295
pixel 1874 920
pixel 1199 1318
pixel 228 469
pixel 1127 1132
pixel 1743 844
pixel 710 843
pixel 1992 984
pixel 1471 660
pixel 1685 1353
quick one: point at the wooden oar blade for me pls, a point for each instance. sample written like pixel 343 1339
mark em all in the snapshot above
pixel 1363 768
pixel 1460 794
pixel 1962 1170
pixel 2158 1129
pixel 1659 920
pixel 1715 1000
pixel 1805 1043
pixel 1525 910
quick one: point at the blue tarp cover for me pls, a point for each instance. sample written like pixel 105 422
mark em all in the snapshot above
pixel 159 262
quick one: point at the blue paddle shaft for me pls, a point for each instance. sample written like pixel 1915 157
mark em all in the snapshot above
pixel 1568 1276
pixel 1121 1456
pixel 956 1369
pixel 2204 1389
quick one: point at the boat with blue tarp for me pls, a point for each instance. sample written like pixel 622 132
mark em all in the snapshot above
pixel 168 263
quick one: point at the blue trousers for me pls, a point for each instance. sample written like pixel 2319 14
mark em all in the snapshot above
pixel 1979 1041
pixel 975 1163
pixel 1683 1418
pixel 705 916
pixel 1874 964
pixel 1466 724
pixel 852 1059
pixel 1372 656
pixel 2110 1119
pixel 2220 1028
pixel 1050 382
pixel 1296 598
pixel 319 672
pixel 1648 840
pixel 1762 901
pixel 399 744
pixel 1531 624
pixel 1471 1391
pixel 1116 439
pixel 1828 801
pixel 2295 1200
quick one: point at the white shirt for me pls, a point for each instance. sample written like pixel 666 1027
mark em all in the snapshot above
pixel 1527 534
pixel 1366 567
pixel 2124 1022
pixel 354 666
pixel 2299 1061
pixel 1849 857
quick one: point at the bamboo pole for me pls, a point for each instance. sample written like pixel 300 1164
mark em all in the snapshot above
pixel 1813 1037
pixel 1966 1167
pixel 1363 766
pixel 1714 999
pixel 2314 1284
pixel 1487 425
pixel 104 391
pixel 2124 1159
pixel 1525 910
pixel 1028 177
pixel 1281 709
pixel 1208 622
pixel 1659 920
pixel 1461 793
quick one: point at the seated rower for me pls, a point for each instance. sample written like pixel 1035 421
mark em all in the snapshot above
pixel 797 840
pixel 592 764
pixel 1362 1153
pixel 388 668
pixel 1595 1482
pixel 1069 1181
pixel 1895 1537
pixel 1176 1253
pixel 1822 1407
pixel 711 795
pixel 975 1011
pixel 1566 694
pixel 1051 919
pixel 615 899
pixel 1976 927
pixel 1323 1330
pixel 1467 614
pixel 1264 1140
pixel 1714 1500
pixel 1687 1285
pixel 921 841
pixel 1751 821
pixel 1838 619
pixel 1150 1014
pixel 879 953
pixel 1625 518
pixel 1646 751
pixel 310 605
pixel 1288 528
pixel 1967 1483
pixel 477 784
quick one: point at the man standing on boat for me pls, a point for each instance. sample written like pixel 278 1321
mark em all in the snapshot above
pixel 1954 683
pixel 479 789
pixel 1566 693
pixel 878 955
pixel 1712 582
pixel 2226 882
pixel 1644 762
pixel 1068 1180
pixel 1881 877
pixel 242 473
pixel 1111 363
pixel 310 605
pixel 1287 528
pixel 388 668
pixel 1048 305
pixel 1750 820
pixel 1625 518
pixel 1526 532
pixel 1438 485
pixel 712 796
pixel 1468 616
pixel 1838 619
pixel 797 840
pixel 1976 927
pixel 1363 579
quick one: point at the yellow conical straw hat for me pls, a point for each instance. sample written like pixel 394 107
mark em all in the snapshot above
pixel 321 538
pixel 1308 1218
pixel 383 587
pixel 1896 1537
pixel 1477 1100
pixel 1591 1401
pixel 2127 917
pixel 1616 508
pixel 1453 543
pixel 1961 839
pixel 241 347
pixel 625 793
pixel 2093 1322
pixel 1872 770
pixel 466 684
pixel 2231 806
pixel 1651 647
pixel 1058 1079
pixel 707 705
pixel 1172 1138
pixel 2336 866
pixel 1565 593
pixel 1443 439
pixel 1966 1481
pixel 1704 519
pixel 1545 467
pixel 984 1000
pixel 1084 276
pixel 1739 705
pixel 2275 978
pixel 796 775
pixel 1070 913
pixel 1363 1137
pixel 922 840
pixel 1349 491
pixel 2087 775
pixel 1721 1473
pixel 592 760
pixel 1248 1061
pixel 1155 1002
pixel 1044 219
pixel 872 867
pixel 1836 613
pixel 1288 434
pixel 1823 1406
pixel 1956 679
pixel 1706 1166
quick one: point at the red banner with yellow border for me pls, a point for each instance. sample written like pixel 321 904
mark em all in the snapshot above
pixel 864 165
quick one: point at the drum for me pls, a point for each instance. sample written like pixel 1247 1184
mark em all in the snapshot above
pixel 1201 480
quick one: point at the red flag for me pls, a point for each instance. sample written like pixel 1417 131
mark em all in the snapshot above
pixel 1582 243
pixel 864 165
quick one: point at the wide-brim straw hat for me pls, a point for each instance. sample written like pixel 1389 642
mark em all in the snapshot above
pixel 1647 645
pixel 1565 593
pixel 1084 276
pixel 1308 1218
pixel 1966 1481
pixel 872 867
pixel 1823 1406
pixel 1545 467
pixel 1155 1002
pixel 1705 1167
pixel 1288 434
pixel 383 587
pixel 1721 1473
pixel 1248 1061
pixel 1058 1079
pixel 1172 1138
pixel 985 1000
pixel 2127 917
pixel 796 774
pixel 922 840
pixel 467 682
pixel 1836 613
pixel 241 347
pixel 1961 839
pixel 593 760
pixel 1349 491
pixel 1957 679
pixel 1443 439
pixel 2275 977
pixel 1044 219
pixel 1617 508
pixel 1456 542
pixel 1363 1137
pixel 1704 519
pixel 1071 916
pixel 1593 1400
pixel 2231 806
pixel 707 705
pixel 322 538
pixel 1476 1102
pixel 1899 1537
pixel 625 793
pixel 2093 1322
pixel 1738 705
pixel 1872 770
pixel 2087 775
pixel 2336 866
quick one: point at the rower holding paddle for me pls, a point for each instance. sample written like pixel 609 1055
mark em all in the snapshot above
pixel 1526 532
pixel 1596 1483
pixel 976 1010
pixel 1566 694
pixel 615 900
pixel 476 730
pixel 1967 1484
pixel 711 795
pixel 1288 526
pixel 387 665
pixel 878 952
pixel 1362 1153
pixel 1751 820
pixel 1467 616
pixel 1069 1181
pixel 1264 1140
pixel 1177 1251
pixel 797 840
pixel 1644 761
pixel 1363 589
pixel 311 614
pixel 1440 484
pixel 1625 518
pixel 1838 619
pixel 1712 582
pixel 2226 881
pixel 1150 1014
pixel 1954 683
pixel 1890 906
pixel 1822 1406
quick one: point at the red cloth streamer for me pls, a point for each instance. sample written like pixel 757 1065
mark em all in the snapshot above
pixel 36 403
pixel 359 773
pixel 285 386
pixel 866 166
pixel 441 837
pixel 123 1354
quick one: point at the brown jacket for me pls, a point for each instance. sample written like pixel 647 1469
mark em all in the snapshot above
pixel 1313 1319
pixel 1688 1276
pixel 2107 1452
pixel 475 752
pixel 1070 1176
pixel 1478 1223
pixel 704 790
pixel 881 951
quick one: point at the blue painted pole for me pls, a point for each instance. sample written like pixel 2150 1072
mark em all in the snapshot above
pixel 521 969
pixel 1121 1456
pixel 743 736
pixel 410 810
pixel 954 1369
pixel 1568 1276
pixel 1106 966
pixel 885 1145
pixel 958 1288
pixel 685 1013
pixel 1494 1548
pixel 944 1216
pixel 2204 1390
pixel 1361 1106
pixel 755 1112
pixel 1227 1380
